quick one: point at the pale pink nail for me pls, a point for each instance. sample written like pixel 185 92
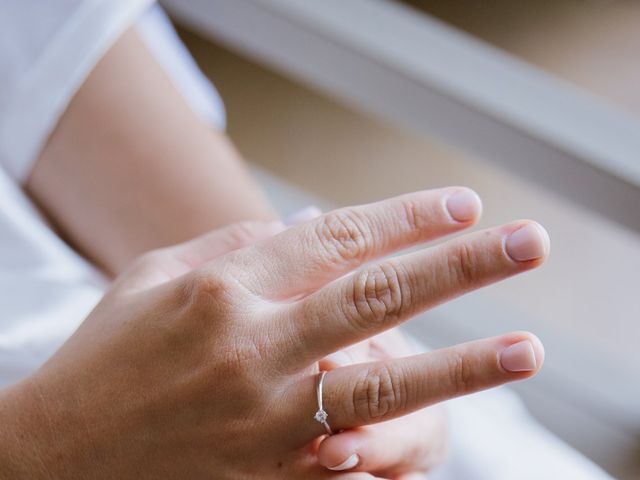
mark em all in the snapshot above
pixel 464 205
pixel 519 357
pixel 528 243
pixel 350 462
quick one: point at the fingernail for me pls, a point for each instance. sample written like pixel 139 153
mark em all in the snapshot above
pixel 301 216
pixel 519 357
pixel 350 462
pixel 340 358
pixel 527 243
pixel 464 205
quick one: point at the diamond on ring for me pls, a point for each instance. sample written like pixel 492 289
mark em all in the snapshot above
pixel 321 416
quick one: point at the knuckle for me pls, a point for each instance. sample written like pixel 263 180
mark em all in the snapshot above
pixel 377 394
pixel 379 295
pixel 203 288
pixel 241 354
pixel 412 215
pixel 460 374
pixel 344 235
pixel 243 234
pixel 463 265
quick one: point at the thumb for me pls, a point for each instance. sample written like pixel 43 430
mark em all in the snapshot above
pixel 218 242
pixel 164 264
pixel 209 246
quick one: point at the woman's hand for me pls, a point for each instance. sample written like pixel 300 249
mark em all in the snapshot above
pixel 199 368
pixel 404 448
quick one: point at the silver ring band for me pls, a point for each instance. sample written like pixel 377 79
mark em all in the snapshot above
pixel 321 416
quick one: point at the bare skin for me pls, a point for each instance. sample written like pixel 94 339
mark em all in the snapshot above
pixel 197 367
pixel 130 168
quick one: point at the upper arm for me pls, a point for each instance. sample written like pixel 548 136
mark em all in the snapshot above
pixel 130 167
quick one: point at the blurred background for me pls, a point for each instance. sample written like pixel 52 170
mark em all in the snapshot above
pixel 533 103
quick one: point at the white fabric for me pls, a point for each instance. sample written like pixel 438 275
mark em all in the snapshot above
pixel 45 57
pixel 46 288
pixel 493 437
pixel 155 28
pixel 47 48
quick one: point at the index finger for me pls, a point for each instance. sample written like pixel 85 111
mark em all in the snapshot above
pixel 308 256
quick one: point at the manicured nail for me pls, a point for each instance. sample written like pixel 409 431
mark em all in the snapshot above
pixel 350 462
pixel 519 357
pixel 464 205
pixel 528 243
pixel 301 216
pixel 340 358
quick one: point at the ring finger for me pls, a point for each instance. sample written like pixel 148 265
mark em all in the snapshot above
pixel 370 393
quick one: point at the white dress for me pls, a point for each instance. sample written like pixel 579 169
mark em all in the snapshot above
pixel 47 49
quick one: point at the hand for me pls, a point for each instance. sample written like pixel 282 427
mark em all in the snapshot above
pixel 382 447
pixel 211 373
pixel 402 449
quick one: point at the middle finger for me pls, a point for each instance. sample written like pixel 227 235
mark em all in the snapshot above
pixel 381 296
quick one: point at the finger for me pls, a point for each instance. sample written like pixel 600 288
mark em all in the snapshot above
pixel 163 264
pixel 307 256
pixel 371 393
pixel 391 344
pixel 382 295
pixel 413 443
pixel 211 245
pixel 413 476
pixel 328 475
pixel 301 216
pixel 357 353
pixel 325 474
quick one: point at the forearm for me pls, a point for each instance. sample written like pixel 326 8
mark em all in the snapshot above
pixel 130 167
